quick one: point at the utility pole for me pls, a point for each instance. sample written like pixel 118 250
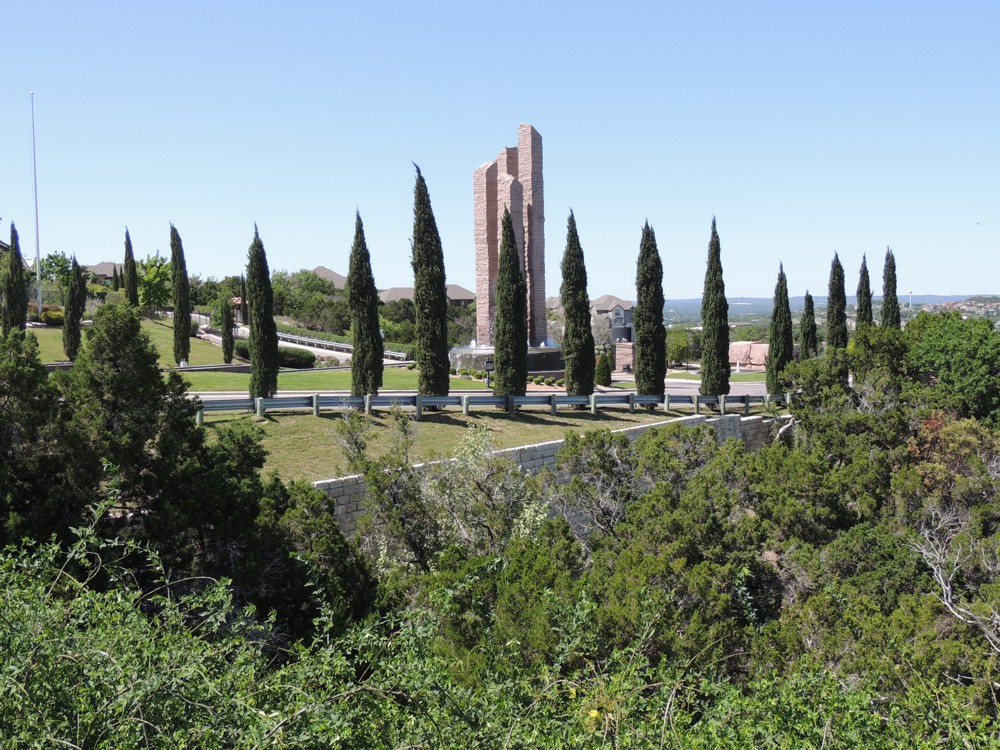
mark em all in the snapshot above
pixel 38 251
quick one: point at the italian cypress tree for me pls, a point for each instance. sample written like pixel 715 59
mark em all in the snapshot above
pixel 181 298
pixel 578 338
pixel 836 308
pixel 263 332
pixel 715 324
pixel 510 329
pixel 244 302
pixel 780 345
pixel 362 299
pixel 228 344
pixel 14 305
pixel 647 321
pixel 808 343
pixel 430 297
pixel 864 297
pixel 131 273
pixel 114 279
pixel 602 373
pixel 890 303
pixel 75 306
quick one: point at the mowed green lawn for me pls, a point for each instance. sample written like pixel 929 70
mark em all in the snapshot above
pixel 160 332
pixel 301 446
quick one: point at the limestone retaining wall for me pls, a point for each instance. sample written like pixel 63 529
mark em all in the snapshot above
pixel 348 493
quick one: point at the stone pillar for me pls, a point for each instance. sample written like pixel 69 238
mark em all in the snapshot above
pixel 484 192
pixel 529 154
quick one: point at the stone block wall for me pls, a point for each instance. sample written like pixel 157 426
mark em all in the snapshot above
pixel 348 493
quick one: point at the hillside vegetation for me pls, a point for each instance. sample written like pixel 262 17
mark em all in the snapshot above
pixel 837 589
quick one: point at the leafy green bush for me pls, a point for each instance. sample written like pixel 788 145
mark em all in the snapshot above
pixel 561 382
pixel 241 349
pixel 52 317
pixel 297 359
pixel 550 381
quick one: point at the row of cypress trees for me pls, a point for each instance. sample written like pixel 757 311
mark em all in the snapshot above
pixel 780 351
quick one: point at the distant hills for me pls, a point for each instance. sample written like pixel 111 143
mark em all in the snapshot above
pixel 762 305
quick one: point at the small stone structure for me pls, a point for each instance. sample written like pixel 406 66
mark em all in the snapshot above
pixel 513 181
pixel 348 493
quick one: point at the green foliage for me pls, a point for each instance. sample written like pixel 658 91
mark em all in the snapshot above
pixel 890 302
pixel 780 339
pixel 510 328
pixel 227 324
pixel 362 298
pixel 715 324
pixel 864 297
pixel 181 296
pixel 298 359
pixel 131 274
pixel 315 303
pixel 430 297
pixel 808 341
pixel 154 283
pixel 241 349
pixel 836 308
pixel 678 347
pixel 959 360
pixel 54 318
pixel 74 311
pixel 263 334
pixel 649 331
pixel 602 372
pixel 13 290
pixel 578 339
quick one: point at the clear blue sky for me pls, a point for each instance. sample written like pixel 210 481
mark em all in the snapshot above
pixel 803 127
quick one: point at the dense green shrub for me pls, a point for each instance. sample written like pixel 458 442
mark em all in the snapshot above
pixel 298 359
pixel 52 317
pixel 241 349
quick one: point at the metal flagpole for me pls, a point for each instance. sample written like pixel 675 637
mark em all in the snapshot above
pixel 34 172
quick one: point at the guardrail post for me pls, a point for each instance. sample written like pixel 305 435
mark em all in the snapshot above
pixel 199 418
pixel 666 401
pixel 315 404
pixel 510 404
pixel 697 404
pixel 722 404
pixel 767 401
pixel 553 404
pixel 746 406
pixel 368 403
pixel 419 406
pixel 788 400
pixel 259 406
pixel 465 405
pixel 631 403
pixel 593 403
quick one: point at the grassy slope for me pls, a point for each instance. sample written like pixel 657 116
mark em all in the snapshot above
pixel 305 447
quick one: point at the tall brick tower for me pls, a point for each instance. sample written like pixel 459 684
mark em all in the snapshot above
pixel 513 180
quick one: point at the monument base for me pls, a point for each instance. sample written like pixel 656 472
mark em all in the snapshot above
pixel 540 358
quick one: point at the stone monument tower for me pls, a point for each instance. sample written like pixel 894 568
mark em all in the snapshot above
pixel 513 180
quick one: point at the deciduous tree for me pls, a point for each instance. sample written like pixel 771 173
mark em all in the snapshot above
pixel 362 298
pixel 715 324
pixel 647 322
pixel 578 339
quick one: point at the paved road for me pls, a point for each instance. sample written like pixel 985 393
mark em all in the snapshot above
pixel 674 388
